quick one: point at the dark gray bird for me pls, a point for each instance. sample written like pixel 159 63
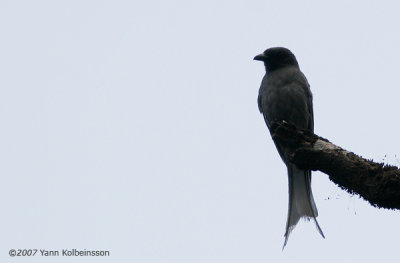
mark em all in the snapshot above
pixel 285 95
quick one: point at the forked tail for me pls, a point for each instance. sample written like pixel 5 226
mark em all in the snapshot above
pixel 301 201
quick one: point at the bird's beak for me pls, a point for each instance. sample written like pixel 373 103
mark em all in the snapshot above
pixel 260 57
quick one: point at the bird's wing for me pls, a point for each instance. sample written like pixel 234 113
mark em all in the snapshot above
pixel 311 111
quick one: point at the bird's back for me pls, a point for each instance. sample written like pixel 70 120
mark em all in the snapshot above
pixel 285 95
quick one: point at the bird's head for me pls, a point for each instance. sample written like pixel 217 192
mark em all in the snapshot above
pixel 276 58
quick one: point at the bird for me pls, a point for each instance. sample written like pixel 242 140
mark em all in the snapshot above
pixel 285 96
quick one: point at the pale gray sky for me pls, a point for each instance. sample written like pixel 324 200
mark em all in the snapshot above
pixel 132 126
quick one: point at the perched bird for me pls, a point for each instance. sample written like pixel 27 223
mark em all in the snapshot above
pixel 285 95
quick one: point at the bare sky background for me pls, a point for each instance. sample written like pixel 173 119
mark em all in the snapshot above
pixel 132 126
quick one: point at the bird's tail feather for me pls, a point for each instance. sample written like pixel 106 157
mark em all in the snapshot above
pixel 301 201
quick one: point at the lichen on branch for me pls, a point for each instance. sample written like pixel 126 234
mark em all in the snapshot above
pixel 377 183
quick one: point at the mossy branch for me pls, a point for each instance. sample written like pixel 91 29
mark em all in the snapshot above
pixel 377 183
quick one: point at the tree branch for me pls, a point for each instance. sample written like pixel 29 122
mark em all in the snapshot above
pixel 377 183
